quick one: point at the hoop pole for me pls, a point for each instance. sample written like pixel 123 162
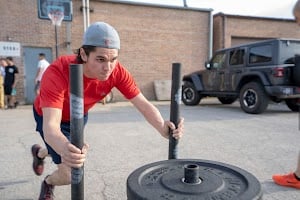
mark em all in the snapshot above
pixel 77 124
pixel 174 111
pixel 56 41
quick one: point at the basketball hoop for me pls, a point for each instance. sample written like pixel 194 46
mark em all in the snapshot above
pixel 56 14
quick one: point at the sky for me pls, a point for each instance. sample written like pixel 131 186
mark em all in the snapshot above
pixel 261 8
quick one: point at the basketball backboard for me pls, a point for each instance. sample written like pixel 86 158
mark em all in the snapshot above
pixel 45 6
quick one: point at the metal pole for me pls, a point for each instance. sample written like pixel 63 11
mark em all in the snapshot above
pixel 56 42
pixel 184 3
pixel 69 37
pixel 87 13
pixel 174 112
pixel 77 124
pixel 84 15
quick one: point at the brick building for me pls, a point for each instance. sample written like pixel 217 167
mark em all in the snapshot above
pixel 231 30
pixel 152 37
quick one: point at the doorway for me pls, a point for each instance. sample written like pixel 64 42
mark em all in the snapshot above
pixel 31 58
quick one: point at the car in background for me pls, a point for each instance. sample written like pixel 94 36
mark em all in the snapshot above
pixel 255 73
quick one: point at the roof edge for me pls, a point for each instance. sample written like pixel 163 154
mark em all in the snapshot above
pixel 157 5
pixel 221 14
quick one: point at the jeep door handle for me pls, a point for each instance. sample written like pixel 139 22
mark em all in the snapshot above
pixel 220 72
pixel 238 71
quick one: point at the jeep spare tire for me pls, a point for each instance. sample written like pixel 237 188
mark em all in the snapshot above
pixel 296 70
pixel 253 98
pixel 190 96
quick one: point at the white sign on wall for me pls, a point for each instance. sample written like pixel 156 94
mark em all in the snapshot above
pixel 10 49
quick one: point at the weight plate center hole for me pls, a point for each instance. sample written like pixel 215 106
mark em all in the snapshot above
pixel 191 174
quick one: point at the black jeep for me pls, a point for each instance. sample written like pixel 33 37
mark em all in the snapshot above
pixel 253 73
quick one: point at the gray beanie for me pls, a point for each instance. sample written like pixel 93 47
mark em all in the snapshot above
pixel 101 34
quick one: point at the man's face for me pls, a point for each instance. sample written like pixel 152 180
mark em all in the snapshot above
pixel 100 63
pixel 3 63
pixel 10 63
pixel 296 12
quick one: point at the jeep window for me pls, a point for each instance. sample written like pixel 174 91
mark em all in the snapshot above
pixel 218 60
pixel 236 57
pixel 260 54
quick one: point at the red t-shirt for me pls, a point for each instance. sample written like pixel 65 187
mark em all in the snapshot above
pixel 55 93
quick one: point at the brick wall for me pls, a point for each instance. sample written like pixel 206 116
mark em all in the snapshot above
pixel 20 23
pixel 236 29
pixel 152 37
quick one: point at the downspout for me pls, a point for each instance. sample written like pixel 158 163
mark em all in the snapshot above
pixel 224 32
pixel 84 15
pixel 210 35
pixel 184 3
pixel 87 13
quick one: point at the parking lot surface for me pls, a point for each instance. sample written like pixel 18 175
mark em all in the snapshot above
pixel 121 141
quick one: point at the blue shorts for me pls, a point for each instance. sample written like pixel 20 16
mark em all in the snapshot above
pixel 65 129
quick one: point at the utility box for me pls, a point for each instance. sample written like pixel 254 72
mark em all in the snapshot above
pixel 162 90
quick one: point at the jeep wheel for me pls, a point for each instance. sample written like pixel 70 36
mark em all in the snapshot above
pixel 190 96
pixel 227 100
pixel 292 104
pixel 253 98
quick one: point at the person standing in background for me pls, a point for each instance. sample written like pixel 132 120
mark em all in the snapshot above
pixel 42 66
pixel 3 64
pixel 10 83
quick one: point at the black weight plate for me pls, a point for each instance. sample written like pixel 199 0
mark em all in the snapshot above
pixel 163 180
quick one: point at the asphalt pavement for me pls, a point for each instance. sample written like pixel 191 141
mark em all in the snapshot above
pixel 121 141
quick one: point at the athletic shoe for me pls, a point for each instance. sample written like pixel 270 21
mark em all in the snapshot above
pixel 46 191
pixel 38 163
pixel 288 180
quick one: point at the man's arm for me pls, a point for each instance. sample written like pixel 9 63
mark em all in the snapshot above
pixel 16 76
pixel 153 116
pixel 71 155
pixel 37 74
pixel 14 85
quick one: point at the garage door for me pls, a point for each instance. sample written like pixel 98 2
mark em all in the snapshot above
pixel 235 41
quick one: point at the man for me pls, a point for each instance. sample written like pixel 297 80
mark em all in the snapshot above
pixel 10 83
pixel 291 179
pixel 296 12
pixel 41 67
pixel 102 71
